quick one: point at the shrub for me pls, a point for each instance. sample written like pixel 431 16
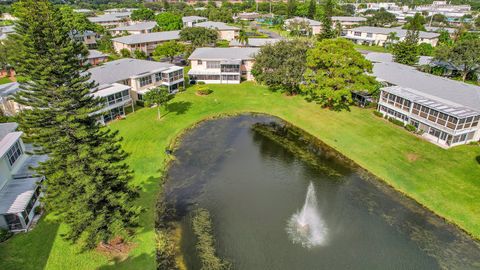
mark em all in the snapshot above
pixel 4 235
pixel 410 128
pixel 377 113
pixel 201 83
pixel 37 210
pixel 396 121
pixel 203 90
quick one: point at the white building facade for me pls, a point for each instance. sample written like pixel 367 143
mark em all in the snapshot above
pixel 20 187
pixel 222 65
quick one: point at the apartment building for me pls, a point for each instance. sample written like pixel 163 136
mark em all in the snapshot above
pixel 222 65
pixel 378 35
pixel 224 30
pixel 134 29
pixel 348 21
pixel 89 38
pixel 144 42
pixel 125 81
pixel 190 21
pixel 445 111
pixel 20 186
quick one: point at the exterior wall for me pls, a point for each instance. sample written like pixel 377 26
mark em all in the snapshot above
pixel 5 174
pixel 228 34
pixel 245 71
pixel 316 30
pixel 148 48
pixel 97 61
pixel 136 88
pixel 428 127
pixel 380 39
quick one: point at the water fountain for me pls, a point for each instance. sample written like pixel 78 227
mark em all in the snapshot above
pixel 306 227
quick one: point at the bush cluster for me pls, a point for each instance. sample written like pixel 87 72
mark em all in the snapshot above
pixel 4 235
pixel 410 128
pixel 396 121
pixel 203 90
pixel 377 113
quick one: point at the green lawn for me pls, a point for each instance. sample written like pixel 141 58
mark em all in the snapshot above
pixel 446 181
pixel 371 48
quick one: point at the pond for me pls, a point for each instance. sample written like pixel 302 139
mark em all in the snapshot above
pixel 280 199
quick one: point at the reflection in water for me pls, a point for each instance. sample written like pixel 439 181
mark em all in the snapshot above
pixel 306 227
pixel 251 173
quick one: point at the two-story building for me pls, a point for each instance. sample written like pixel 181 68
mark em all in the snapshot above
pixel 126 80
pixel 445 111
pixel 225 31
pixel 379 35
pixel 20 186
pixel 191 21
pixel 134 29
pixel 89 38
pixel 222 65
pixel 144 42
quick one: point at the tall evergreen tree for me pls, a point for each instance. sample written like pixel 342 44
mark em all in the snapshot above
pixel 291 8
pixel 406 52
pixel 327 24
pixel 87 180
pixel 312 9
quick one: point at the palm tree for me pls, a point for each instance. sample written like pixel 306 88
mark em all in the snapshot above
pixel 242 37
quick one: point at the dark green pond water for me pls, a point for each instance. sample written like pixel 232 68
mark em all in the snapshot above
pixel 252 174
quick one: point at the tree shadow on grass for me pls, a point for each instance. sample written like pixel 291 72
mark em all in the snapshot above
pixel 478 159
pixel 179 107
pixel 29 250
pixel 137 262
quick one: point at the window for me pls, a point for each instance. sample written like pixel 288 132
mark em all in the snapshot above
pixel 14 153
pixel 145 81
pixel 369 35
pixel 213 64
pixel 158 77
pixel 199 62
pixel 357 34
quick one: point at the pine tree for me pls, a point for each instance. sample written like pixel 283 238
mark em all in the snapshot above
pixel 291 8
pixel 327 25
pixel 87 180
pixel 312 9
pixel 406 52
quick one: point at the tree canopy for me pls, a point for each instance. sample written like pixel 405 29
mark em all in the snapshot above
pixel 280 66
pixel 381 18
pixel 415 23
pixel 142 14
pixel 334 70
pixel 168 21
pixel 327 25
pixel 169 49
pixel 87 183
pixel 463 54
pixel 406 51
pixel 198 36
pixel 158 96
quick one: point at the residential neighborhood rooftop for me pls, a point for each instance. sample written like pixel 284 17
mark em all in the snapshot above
pixel 109 17
pixel 9 89
pixel 224 53
pixel 192 18
pixel 148 37
pixel 434 87
pixel 255 42
pixel 112 72
pixel 310 21
pixel 348 19
pixel 136 27
pixel 217 25
pixel 6 128
pixel 400 32
pixel 16 194
pixel 92 54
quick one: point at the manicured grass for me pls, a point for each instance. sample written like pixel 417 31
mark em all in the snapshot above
pixel 446 181
pixel 371 48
